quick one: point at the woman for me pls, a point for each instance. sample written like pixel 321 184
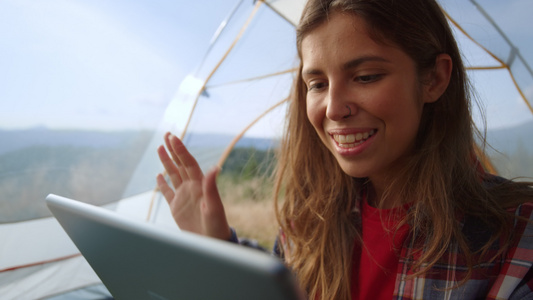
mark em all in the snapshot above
pixel 391 202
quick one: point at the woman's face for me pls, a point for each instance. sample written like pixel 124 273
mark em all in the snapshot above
pixel 363 97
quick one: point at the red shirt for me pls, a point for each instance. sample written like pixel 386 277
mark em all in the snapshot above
pixel 376 262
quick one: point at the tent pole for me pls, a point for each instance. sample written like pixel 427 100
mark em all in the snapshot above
pixel 228 149
pixel 239 35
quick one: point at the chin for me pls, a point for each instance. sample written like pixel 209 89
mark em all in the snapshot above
pixel 353 171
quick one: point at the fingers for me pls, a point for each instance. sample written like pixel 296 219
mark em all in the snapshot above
pixel 169 147
pixel 210 189
pixel 167 192
pixel 170 167
pixel 187 164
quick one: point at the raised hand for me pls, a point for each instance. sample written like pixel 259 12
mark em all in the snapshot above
pixel 194 201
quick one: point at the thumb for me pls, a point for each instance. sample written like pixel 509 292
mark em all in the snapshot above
pixel 215 224
pixel 210 189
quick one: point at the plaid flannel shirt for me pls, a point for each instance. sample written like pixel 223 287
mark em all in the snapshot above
pixel 510 276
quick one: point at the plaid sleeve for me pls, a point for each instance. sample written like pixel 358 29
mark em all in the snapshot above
pixel 515 280
pixel 233 238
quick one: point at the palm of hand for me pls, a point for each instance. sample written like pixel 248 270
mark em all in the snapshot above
pixel 194 202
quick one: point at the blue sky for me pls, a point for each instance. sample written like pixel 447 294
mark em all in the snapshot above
pixel 96 63
pixel 117 64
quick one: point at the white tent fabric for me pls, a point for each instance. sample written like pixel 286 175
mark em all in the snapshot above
pixel 38 259
pixel 47 279
pixel 247 70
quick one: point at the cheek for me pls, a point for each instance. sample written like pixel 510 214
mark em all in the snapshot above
pixel 402 117
pixel 315 114
pixel 399 103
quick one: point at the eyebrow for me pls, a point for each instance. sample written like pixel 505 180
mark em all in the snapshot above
pixel 350 64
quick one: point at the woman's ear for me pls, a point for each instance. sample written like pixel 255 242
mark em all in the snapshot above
pixel 439 78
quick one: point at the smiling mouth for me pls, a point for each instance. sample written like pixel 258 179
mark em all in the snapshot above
pixel 352 140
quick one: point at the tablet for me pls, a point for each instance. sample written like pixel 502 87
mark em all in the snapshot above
pixel 137 260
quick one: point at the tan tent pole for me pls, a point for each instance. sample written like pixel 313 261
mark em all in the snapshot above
pixel 152 200
pixel 472 39
pixel 228 149
pixel 502 34
pixel 504 65
pixel 237 38
pixel 484 159
pixel 254 78
pixel 520 91
pixel 487 68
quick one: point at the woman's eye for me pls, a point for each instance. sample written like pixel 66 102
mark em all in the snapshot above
pixel 316 86
pixel 368 78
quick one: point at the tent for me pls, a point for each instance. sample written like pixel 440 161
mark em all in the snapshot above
pixel 90 87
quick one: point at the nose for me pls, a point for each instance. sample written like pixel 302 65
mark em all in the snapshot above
pixel 339 104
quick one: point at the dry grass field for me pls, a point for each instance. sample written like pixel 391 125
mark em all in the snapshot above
pixel 250 208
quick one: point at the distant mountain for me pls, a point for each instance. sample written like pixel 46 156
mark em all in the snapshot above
pixel 220 140
pixel 11 140
pixel 505 140
pixel 508 139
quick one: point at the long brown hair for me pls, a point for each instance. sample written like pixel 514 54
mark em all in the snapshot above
pixel 318 214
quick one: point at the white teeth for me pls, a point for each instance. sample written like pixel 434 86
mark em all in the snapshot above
pixel 345 139
pixel 342 139
pixel 350 139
